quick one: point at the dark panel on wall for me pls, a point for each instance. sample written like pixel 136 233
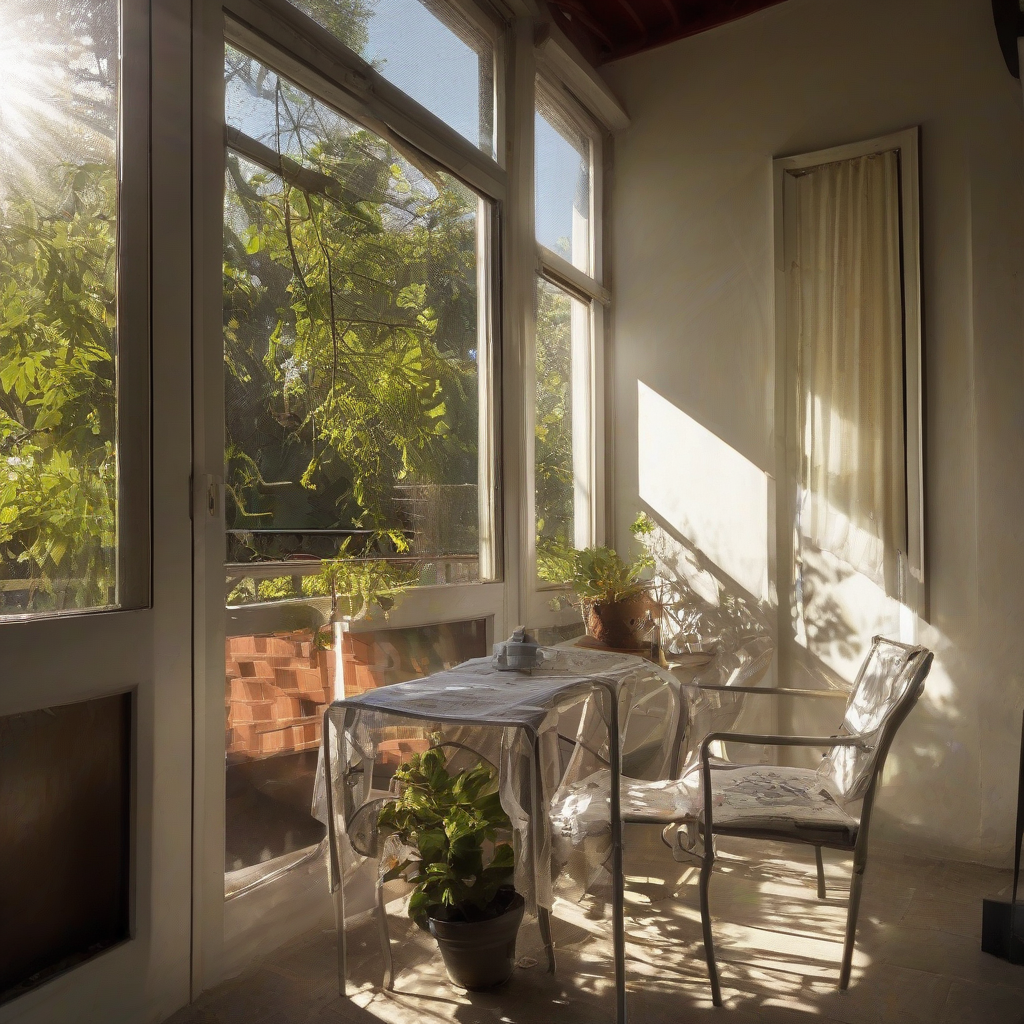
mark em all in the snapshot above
pixel 65 795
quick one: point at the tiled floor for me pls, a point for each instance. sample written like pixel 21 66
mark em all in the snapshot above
pixel 918 955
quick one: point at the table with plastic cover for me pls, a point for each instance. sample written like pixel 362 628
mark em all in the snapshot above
pixel 511 720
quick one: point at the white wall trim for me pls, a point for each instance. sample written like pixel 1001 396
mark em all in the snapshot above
pixel 565 63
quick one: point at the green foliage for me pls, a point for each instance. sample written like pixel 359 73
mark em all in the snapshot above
pixel 553 462
pixel 344 19
pixel 356 584
pixel 58 475
pixel 450 821
pixel 643 526
pixel 350 328
pixel 600 573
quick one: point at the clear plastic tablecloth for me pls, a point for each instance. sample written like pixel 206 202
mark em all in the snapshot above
pixel 542 731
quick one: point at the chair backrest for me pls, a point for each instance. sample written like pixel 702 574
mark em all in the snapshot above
pixel 887 687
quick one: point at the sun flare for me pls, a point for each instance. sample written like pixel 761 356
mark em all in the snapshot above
pixel 57 95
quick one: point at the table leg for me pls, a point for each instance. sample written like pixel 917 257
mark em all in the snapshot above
pixel 336 865
pixel 544 920
pixel 385 937
pixel 618 880
pixel 339 928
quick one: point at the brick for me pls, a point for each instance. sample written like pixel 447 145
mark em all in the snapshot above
pixel 244 737
pixel 278 645
pixel 240 646
pixel 253 711
pixel 296 679
pixel 397 751
pixel 256 669
pixel 248 688
pixel 315 696
pixel 297 735
pixel 365 677
pixel 289 707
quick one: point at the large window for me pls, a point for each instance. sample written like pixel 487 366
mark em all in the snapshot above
pixel 61 507
pixel 359 404
pixel 356 340
pixel 569 312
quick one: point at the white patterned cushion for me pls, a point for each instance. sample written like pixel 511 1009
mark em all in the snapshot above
pixel 757 797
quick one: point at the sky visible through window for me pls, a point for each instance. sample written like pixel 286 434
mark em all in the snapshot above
pixel 562 184
pixel 418 53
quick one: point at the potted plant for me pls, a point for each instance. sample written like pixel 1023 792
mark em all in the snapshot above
pixel 612 593
pixel 449 827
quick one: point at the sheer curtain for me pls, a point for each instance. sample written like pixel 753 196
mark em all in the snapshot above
pixel 846 321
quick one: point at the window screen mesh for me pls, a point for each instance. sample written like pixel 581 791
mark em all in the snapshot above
pixel 427 48
pixel 562 331
pixel 562 183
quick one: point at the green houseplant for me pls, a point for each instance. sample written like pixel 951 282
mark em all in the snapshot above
pixel 612 593
pixel 449 826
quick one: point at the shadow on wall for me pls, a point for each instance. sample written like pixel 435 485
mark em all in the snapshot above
pixel 710 495
pixel 712 546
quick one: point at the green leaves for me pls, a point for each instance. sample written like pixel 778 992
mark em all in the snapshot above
pixel 349 319
pixel 57 399
pixel 356 584
pixel 595 573
pixel 453 822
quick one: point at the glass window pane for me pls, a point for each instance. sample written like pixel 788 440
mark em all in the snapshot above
pixel 355 340
pixel 562 184
pixel 58 307
pixel 429 50
pixel 281 672
pixel 560 445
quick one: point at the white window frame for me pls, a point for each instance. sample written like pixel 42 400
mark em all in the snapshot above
pixel 588 365
pixel 912 561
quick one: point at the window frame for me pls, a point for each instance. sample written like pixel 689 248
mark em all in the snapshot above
pixel 590 290
pixel 455 156
pixel 295 45
pixel 133 545
pixel 907 144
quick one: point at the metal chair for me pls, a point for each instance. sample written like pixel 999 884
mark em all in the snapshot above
pixel 758 801
pixel 803 805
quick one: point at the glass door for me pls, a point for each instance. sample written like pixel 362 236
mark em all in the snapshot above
pixel 361 539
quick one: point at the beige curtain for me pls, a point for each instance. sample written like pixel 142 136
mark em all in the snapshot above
pixel 846 323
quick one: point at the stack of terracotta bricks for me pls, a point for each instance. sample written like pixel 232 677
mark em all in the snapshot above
pixel 276 689
pixel 361 655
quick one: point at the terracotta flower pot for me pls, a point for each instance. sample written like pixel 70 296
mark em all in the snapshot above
pixel 629 623
pixel 480 954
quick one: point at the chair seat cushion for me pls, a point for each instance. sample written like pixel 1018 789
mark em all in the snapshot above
pixel 795 802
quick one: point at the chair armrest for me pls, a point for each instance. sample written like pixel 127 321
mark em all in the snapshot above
pixel 771 691
pixel 770 740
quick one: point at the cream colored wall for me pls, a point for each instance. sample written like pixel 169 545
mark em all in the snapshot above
pixel 693 280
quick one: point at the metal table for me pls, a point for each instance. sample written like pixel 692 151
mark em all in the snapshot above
pixel 525 709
